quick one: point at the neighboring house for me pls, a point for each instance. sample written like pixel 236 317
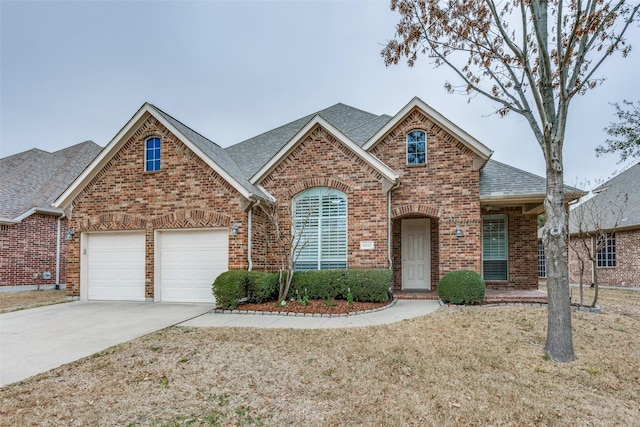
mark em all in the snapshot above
pixel 163 210
pixel 32 245
pixel 618 262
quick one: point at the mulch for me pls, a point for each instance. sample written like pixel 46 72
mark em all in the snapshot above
pixel 334 307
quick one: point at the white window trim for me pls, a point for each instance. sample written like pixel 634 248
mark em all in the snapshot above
pixel 505 218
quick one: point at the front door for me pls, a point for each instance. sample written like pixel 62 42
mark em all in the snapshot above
pixel 416 254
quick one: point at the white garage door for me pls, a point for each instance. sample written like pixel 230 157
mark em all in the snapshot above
pixel 188 261
pixel 115 266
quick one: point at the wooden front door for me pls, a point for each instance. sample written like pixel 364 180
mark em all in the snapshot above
pixel 416 254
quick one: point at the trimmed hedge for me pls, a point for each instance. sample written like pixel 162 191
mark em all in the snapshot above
pixel 233 285
pixel 461 287
pixel 365 285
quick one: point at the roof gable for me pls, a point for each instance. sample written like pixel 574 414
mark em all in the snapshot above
pixel 208 151
pixel 30 181
pixel 302 133
pixel 473 144
pixel 610 197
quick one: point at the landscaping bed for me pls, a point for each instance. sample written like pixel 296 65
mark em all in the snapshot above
pixel 315 306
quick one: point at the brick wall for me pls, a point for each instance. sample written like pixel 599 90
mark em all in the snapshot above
pixel 185 193
pixel 322 161
pixel 445 189
pixel 29 247
pixel 626 273
pixel 522 248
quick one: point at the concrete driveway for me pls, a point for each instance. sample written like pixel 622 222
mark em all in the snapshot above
pixel 39 339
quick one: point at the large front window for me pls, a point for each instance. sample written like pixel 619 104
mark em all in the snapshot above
pixel 320 227
pixel 494 247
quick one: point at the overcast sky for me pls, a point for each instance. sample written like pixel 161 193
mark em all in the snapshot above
pixel 78 70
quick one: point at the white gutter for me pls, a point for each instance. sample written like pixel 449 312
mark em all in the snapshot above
pixel 249 239
pixel 58 253
pixel 389 225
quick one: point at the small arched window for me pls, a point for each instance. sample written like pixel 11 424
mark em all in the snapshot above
pixel 152 155
pixel 320 227
pixel 416 148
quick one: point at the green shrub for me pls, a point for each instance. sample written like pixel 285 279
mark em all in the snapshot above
pixel 229 288
pixel 461 287
pixel 257 286
pixel 363 285
pixel 262 286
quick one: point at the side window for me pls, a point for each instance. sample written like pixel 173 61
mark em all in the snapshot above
pixel 416 148
pixel 152 155
pixel 606 246
pixel 494 247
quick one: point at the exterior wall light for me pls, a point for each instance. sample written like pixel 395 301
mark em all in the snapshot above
pixel 69 234
pixel 458 231
pixel 234 229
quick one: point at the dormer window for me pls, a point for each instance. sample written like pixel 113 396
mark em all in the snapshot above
pixel 416 148
pixel 152 155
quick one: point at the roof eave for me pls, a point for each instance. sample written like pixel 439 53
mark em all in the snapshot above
pixel 116 142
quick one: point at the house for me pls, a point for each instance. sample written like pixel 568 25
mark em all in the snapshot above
pixel 163 210
pixel 32 245
pixel 613 215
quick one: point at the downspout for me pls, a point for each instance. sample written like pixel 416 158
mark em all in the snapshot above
pixel 249 239
pixel 389 225
pixel 250 232
pixel 58 252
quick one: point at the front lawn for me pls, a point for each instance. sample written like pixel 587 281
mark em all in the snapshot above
pixel 459 366
pixel 13 301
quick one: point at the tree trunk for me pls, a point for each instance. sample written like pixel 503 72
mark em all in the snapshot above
pixel 594 265
pixel 581 267
pixel 559 345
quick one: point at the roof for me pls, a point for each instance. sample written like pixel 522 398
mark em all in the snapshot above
pixel 499 181
pixel 207 150
pixel 30 181
pixel 215 153
pixel 607 209
pixel 252 154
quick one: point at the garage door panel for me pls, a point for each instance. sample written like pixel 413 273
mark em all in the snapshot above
pixel 190 260
pixel 115 266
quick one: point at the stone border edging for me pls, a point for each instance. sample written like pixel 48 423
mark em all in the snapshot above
pixel 291 314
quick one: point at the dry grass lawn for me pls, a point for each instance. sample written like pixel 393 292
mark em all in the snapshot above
pixel 13 301
pixel 457 367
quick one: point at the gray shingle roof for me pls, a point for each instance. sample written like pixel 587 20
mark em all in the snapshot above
pixel 608 201
pixel 250 155
pixel 215 153
pixel 498 180
pixel 33 179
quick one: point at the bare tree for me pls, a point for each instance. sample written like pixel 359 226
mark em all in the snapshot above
pixel 530 57
pixel 289 242
pixel 591 225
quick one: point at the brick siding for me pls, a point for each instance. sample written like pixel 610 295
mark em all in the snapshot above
pixel 29 247
pixel 184 193
pixel 626 273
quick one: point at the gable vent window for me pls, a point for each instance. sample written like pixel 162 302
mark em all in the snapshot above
pixel 416 148
pixel 320 227
pixel 494 247
pixel 152 155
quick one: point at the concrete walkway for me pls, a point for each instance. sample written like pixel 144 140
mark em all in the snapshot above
pixel 401 310
pixel 39 339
